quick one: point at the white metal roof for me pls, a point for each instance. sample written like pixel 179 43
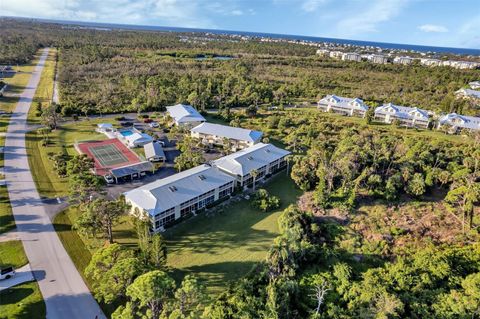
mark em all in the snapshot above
pixel 402 111
pixel 182 113
pixel 344 102
pixel 469 92
pixel 153 150
pixel 230 132
pixel 250 158
pixel 138 137
pixel 454 119
pixel 174 190
pixel 104 125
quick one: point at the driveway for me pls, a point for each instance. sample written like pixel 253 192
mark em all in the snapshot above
pixel 22 274
pixel 62 287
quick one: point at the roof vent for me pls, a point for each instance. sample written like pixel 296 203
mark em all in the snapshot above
pixel 250 158
pixel 202 177
pixel 172 188
pixel 267 150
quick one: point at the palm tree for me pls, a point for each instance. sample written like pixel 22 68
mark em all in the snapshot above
pixel 288 159
pixel 254 174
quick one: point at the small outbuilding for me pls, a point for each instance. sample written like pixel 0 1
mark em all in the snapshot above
pixel 105 127
pixel 154 152
pixel 137 139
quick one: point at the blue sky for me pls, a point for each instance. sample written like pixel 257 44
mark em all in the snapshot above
pixel 428 22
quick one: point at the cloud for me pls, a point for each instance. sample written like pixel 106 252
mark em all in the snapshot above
pixel 312 5
pixel 468 33
pixel 367 18
pixel 156 12
pixel 237 12
pixel 432 28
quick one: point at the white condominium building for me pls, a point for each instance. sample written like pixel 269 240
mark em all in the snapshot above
pixel 216 134
pixel 343 105
pixel 176 196
pixel 265 159
pixel 407 116
pixel 458 122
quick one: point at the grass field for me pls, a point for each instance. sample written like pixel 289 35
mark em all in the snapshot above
pixel 47 181
pixel 224 247
pixel 7 222
pixel 11 254
pixel 218 248
pixel 23 301
pixel 44 92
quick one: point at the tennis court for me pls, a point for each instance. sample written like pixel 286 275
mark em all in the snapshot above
pixel 108 154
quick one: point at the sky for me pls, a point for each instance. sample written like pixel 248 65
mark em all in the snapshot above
pixel 448 23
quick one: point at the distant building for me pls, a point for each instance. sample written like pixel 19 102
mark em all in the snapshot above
pixel 185 115
pixel 405 60
pixel 168 199
pixel 336 54
pixel 474 85
pixel 215 134
pixel 379 59
pixel 407 116
pixel 458 122
pixel 430 62
pixel 323 52
pixel 464 64
pixel 343 105
pixel 154 152
pixel 351 56
pixel 266 159
pixel 467 93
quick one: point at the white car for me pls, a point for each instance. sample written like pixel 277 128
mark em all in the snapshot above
pixel 109 179
pixel 153 124
pixel 7 273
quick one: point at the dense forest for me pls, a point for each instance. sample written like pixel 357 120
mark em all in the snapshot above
pixel 105 71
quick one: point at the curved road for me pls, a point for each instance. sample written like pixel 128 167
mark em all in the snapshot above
pixel 62 287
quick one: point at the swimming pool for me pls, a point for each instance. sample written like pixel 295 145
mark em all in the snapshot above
pixel 126 132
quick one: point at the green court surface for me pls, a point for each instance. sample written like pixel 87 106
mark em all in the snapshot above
pixel 108 155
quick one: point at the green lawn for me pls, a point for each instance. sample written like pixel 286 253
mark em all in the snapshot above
pixel 223 246
pixel 47 181
pixel 23 301
pixel 7 222
pixel 11 254
pixel 44 92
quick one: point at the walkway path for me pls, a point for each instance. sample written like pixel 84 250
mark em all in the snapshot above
pixel 62 287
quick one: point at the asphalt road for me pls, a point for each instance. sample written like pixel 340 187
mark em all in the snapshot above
pixel 62 287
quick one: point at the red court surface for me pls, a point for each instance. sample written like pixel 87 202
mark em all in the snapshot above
pixel 108 154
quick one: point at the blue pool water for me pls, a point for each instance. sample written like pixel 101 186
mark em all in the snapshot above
pixel 126 132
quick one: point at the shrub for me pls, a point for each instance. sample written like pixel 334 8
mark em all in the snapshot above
pixel 264 201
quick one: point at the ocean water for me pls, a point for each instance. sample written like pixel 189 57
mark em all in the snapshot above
pixel 398 46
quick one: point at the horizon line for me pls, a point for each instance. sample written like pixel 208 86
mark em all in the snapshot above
pixel 239 32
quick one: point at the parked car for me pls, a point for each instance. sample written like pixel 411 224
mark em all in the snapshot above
pixel 147 121
pixel 109 179
pixel 153 124
pixel 7 273
pixel 126 124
